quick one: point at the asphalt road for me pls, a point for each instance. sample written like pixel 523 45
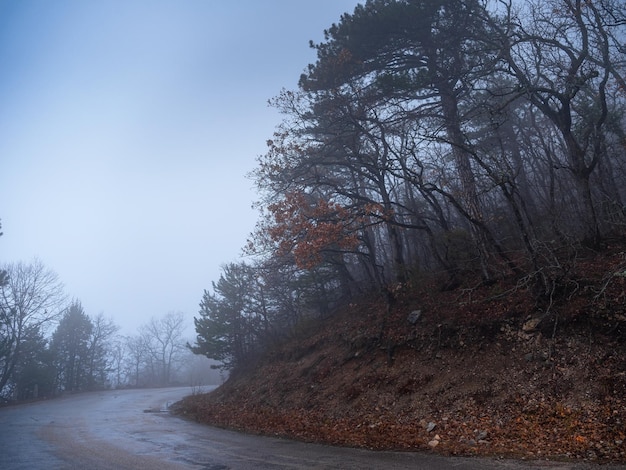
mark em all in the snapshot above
pixel 131 429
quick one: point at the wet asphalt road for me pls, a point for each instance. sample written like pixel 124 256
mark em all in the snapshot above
pixel 113 430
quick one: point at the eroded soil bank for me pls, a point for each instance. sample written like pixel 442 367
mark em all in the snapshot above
pixel 481 370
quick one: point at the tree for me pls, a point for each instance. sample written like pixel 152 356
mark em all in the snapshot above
pixel 34 375
pixel 330 176
pixel 70 346
pixel 163 339
pixel 101 350
pixel 137 357
pixel 224 331
pixel 424 55
pixel 308 226
pixel 31 299
pixel 566 56
pixel 119 355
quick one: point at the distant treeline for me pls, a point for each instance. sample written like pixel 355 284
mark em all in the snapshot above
pixel 49 347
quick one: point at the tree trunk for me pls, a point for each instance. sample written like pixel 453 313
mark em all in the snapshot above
pixel 449 106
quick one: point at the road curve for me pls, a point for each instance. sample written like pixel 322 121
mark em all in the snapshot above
pixel 131 429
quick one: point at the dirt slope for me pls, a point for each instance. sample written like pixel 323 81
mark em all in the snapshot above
pixel 478 370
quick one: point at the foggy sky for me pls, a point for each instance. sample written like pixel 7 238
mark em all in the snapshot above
pixel 126 130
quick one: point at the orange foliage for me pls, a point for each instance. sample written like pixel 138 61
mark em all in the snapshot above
pixel 307 226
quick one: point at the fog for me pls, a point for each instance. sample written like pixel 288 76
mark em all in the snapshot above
pixel 126 133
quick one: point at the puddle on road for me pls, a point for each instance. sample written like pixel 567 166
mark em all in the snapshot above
pixel 165 408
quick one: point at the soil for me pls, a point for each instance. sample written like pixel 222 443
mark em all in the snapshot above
pixel 498 370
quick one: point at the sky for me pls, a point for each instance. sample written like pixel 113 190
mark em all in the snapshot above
pixel 127 129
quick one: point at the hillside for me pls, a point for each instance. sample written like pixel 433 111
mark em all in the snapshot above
pixel 485 370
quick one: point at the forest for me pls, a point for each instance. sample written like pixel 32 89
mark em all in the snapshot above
pixel 50 346
pixel 443 139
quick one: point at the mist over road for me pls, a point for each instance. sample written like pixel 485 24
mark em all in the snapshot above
pixel 130 429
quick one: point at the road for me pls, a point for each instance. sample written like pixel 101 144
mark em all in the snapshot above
pixel 131 429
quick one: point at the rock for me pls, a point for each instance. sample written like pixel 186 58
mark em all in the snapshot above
pixel 482 435
pixel 431 427
pixel 414 316
pixel 434 443
pixel 531 325
pixel 469 442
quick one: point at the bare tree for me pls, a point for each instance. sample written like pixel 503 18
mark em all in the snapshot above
pixel 32 297
pixel 165 344
pixel 566 58
pixel 119 353
pixel 101 350
pixel 136 357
